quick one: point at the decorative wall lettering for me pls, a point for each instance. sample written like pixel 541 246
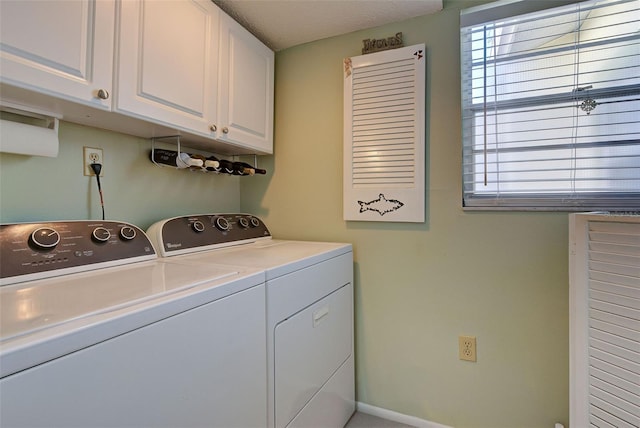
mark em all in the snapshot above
pixel 377 45
pixel 381 205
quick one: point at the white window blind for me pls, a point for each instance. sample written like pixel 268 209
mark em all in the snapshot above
pixel 551 106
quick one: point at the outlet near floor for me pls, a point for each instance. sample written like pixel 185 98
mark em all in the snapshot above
pixel 92 155
pixel 467 348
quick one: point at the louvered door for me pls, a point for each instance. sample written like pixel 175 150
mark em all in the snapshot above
pixel 384 155
pixel 605 320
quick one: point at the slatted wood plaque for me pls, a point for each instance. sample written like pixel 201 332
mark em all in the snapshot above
pixel 384 155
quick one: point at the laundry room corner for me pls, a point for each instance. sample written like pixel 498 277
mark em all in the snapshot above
pixel 501 277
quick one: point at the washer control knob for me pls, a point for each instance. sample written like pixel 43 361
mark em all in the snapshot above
pixel 222 224
pixel 45 238
pixel 255 222
pixel 101 234
pixel 197 226
pixel 127 233
pixel 243 222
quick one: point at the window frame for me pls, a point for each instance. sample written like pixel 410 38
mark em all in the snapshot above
pixel 542 201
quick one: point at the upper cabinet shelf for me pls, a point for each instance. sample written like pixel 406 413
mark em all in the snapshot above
pixel 180 67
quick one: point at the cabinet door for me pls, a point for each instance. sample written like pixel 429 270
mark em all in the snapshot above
pixel 60 48
pixel 245 88
pixel 167 54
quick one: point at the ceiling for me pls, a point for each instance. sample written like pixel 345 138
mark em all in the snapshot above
pixel 281 24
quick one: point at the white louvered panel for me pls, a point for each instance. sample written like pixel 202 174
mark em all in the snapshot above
pixel 616 405
pixel 627 390
pixel 625 269
pixel 613 281
pixel 612 318
pixel 613 328
pixel 393 138
pixel 604 270
pixel 381 121
pixel 595 421
pixel 628 304
pixel 614 345
pixel 615 372
pixel 604 411
pixel 609 405
pixel 384 136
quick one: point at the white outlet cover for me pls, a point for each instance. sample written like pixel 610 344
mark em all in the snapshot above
pixel 87 159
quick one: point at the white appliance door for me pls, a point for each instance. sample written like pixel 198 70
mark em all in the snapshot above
pixel 309 347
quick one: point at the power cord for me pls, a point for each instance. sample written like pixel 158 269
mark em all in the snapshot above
pixel 96 167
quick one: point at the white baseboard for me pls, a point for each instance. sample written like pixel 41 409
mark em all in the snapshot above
pixel 397 417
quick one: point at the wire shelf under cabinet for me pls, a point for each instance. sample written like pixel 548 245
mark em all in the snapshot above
pixel 180 159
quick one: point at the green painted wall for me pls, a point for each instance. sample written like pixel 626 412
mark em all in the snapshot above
pixel 36 188
pixel 502 277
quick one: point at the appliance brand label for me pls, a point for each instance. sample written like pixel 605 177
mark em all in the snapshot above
pixel 170 246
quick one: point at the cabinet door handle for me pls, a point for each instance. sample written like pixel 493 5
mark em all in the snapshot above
pixel 225 130
pixel 103 94
pixel 213 128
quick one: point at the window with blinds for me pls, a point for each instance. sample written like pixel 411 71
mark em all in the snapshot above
pixel 384 136
pixel 551 106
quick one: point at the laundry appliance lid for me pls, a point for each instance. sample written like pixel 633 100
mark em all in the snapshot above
pixel 45 319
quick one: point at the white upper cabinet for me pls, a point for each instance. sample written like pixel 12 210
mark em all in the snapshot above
pixel 245 90
pixel 59 48
pixel 167 57
pixel 151 68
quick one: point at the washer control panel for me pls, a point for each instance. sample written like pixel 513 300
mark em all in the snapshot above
pixel 192 233
pixel 37 249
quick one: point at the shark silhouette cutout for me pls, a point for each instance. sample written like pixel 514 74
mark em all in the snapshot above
pixel 381 205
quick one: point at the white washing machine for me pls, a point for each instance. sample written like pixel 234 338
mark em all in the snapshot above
pixel 97 331
pixel 309 287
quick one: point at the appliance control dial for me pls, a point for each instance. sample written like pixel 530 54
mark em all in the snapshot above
pixel 222 224
pixel 101 234
pixel 243 222
pixel 255 222
pixel 45 237
pixel 197 226
pixel 127 233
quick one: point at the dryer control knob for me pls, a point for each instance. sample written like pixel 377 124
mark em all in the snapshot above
pixel 243 222
pixel 255 222
pixel 222 224
pixel 197 226
pixel 127 233
pixel 101 234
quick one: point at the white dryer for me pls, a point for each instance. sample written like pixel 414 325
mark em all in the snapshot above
pixel 309 287
pixel 96 331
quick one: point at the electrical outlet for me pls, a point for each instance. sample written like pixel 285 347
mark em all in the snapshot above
pixel 92 155
pixel 467 348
